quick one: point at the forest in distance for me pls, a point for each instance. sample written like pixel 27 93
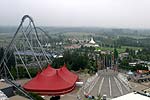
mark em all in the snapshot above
pixel 103 36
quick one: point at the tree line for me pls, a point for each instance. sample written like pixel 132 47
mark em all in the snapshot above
pixel 76 61
pixel 134 56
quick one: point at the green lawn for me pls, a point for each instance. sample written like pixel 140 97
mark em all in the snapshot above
pixel 120 50
pixel 134 48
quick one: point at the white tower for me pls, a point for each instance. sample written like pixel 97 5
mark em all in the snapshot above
pixel 92 41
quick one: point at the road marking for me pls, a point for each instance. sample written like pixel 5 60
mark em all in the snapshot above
pixel 110 87
pixel 92 85
pixel 90 81
pixel 127 88
pixel 100 86
pixel 118 85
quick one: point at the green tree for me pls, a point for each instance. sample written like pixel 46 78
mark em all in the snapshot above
pixel 115 56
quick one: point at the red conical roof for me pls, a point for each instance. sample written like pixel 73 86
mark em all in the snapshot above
pixel 52 81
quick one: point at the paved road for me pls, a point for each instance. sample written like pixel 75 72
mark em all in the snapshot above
pixel 109 84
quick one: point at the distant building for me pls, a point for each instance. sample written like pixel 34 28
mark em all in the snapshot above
pixel 123 55
pixel 74 46
pixel 91 43
pixel 59 43
pixel 74 41
pixel 47 45
pixel 144 63
pixel 132 64
pixel 106 52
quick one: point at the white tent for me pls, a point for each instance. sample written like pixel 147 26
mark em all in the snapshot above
pixel 130 73
pixel 92 41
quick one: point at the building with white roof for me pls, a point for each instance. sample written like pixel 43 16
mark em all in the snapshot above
pixel 134 96
pixel 92 41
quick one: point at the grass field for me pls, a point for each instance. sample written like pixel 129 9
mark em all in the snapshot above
pixel 120 50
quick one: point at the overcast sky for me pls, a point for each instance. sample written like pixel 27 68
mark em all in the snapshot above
pixel 99 13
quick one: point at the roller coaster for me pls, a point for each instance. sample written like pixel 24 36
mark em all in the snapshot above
pixel 28 40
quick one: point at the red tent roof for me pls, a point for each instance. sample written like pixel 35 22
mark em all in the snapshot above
pixel 52 81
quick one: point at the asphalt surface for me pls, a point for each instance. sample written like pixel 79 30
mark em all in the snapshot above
pixel 109 84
